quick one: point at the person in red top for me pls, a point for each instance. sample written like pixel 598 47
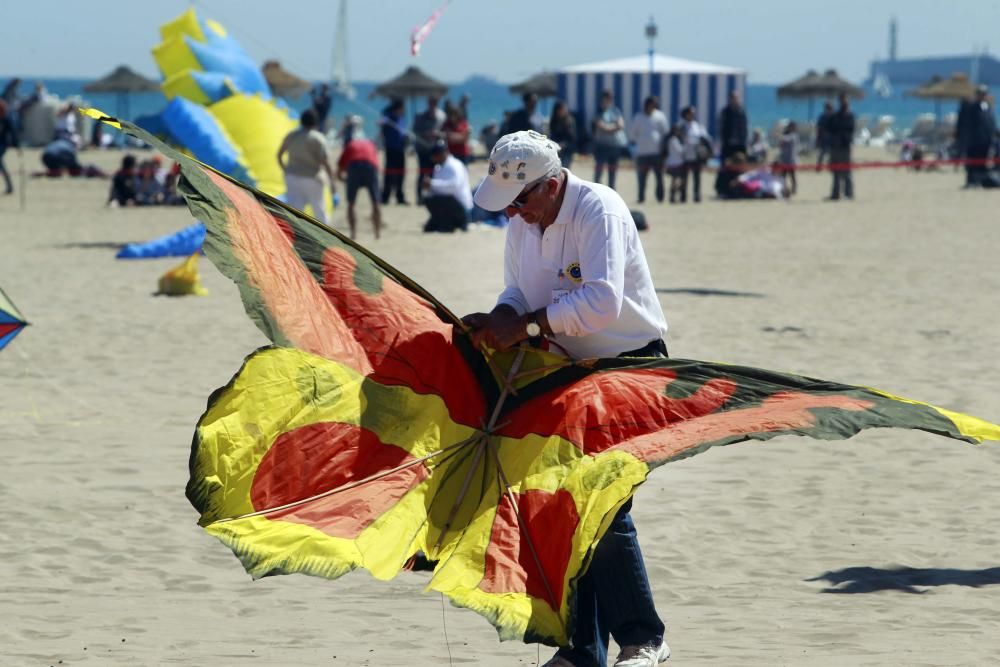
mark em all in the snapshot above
pixel 359 166
pixel 456 133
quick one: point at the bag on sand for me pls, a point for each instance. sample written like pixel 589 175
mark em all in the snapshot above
pixel 640 220
pixel 183 279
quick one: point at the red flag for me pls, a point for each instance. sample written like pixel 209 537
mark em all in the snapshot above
pixel 420 32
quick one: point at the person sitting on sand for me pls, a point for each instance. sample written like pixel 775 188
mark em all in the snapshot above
pixel 759 183
pixel 449 197
pixel 149 188
pixel 60 155
pixel 123 184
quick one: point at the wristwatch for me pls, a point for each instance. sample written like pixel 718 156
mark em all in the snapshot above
pixel 533 328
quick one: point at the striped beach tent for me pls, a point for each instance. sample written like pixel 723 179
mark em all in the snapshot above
pixel 676 81
pixel 11 320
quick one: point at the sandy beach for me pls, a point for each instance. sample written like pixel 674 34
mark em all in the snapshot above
pixel 881 550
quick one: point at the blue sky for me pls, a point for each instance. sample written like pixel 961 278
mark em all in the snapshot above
pixel 775 40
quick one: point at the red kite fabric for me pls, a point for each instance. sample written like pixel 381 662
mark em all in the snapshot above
pixel 371 430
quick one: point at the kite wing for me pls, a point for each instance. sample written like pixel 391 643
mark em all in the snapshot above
pixel 371 430
pixel 11 320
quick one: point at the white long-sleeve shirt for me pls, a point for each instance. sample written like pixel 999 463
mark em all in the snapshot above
pixel 589 272
pixel 452 178
pixel 648 131
pixel 693 134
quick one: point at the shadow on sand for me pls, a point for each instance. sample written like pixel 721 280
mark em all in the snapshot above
pixel 98 245
pixel 704 291
pixel 906 579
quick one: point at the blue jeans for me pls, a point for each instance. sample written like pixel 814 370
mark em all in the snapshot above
pixel 613 598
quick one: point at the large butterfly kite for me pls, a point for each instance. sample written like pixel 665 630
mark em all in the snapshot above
pixel 371 430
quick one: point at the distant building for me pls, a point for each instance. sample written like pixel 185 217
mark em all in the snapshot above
pixel 676 81
pixel 982 68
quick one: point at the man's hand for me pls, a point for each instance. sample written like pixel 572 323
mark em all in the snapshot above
pixel 501 330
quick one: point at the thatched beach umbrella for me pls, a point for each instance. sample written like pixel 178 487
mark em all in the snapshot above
pixel 282 82
pixel 955 87
pixel 543 85
pixel 411 83
pixel 812 85
pixel 123 81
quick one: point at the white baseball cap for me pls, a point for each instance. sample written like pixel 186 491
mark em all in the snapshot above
pixel 516 160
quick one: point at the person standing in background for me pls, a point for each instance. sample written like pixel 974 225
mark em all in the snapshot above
pixel 8 139
pixel 307 153
pixel 322 102
pixel 677 164
pixel 697 151
pixel 649 129
pixel 358 166
pixel 456 133
pixel 426 131
pixel 733 137
pixel 788 156
pixel 394 141
pixel 823 134
pixel 525 118
pixel 733 131
pixel 609 139
pixel 975 131
pixel 562 130
pixel 841 129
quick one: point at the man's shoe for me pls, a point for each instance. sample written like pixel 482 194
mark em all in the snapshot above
pixel 558 661
pixel 649 655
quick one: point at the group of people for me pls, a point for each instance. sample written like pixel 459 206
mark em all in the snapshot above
pixel 834 139
pixel 146 183
pixel 443 182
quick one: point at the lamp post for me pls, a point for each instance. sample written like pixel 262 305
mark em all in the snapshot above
pixel 651 36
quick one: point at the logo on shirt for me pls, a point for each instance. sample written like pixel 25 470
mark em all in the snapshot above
pixel 574 272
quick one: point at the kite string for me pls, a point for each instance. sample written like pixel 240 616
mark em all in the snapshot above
pixel 444 626
pixel 59 390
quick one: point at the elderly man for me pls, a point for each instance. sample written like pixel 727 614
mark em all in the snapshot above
pixel 575 272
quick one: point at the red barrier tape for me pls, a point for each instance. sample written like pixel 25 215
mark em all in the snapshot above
pixel 777 168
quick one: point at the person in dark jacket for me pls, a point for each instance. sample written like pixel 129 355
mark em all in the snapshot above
pixel 976 130
pixel 841 129
pixel 525 118
pixel 322 102
pixel 8 139
pixel 823 134
pixel 562 130
pixel 733 127
pixel 732 140
pixel 394 140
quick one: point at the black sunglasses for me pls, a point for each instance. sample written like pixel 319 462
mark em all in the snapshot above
pixel 522 198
